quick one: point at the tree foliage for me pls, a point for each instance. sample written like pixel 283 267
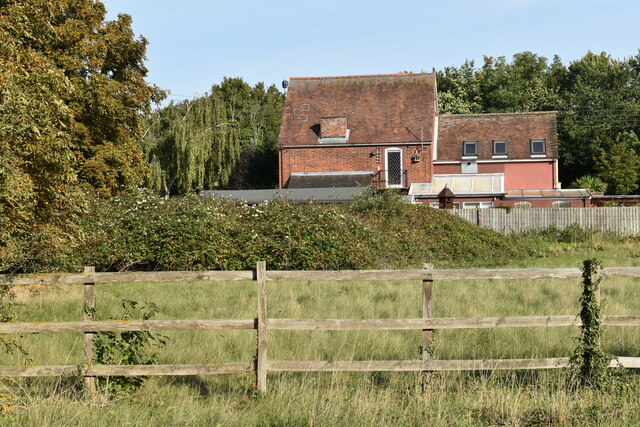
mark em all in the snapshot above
pixel 225 138
pixel 191 146
pixel 619 164
pixel 72 101
pixel 590 182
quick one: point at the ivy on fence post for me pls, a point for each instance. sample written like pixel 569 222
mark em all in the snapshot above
pixel 589 358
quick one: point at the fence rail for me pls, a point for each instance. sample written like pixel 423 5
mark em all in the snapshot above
pixel 262 324
pixel 619 220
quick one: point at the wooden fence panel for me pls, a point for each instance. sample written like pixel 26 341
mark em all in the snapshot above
pixel 262 323
pixel 619 220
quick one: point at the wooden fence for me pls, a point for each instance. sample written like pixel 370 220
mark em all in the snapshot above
pixel 619 220
pixel 263 324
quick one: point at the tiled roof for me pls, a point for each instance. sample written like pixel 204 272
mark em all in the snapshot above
pixel 517 128
pixel 379 108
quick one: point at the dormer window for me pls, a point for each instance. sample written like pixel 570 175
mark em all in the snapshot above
pixel 499 147
pixel 538 147
pixel 333 129
pixel 470 149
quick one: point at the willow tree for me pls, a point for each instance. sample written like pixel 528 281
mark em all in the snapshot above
pixel 191 146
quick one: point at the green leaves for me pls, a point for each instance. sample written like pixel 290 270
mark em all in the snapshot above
pixel 619 164
pixel 589 358
pixel 128 348
pixel 226 138
pixel 72 100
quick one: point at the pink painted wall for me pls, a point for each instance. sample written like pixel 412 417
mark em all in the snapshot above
pixel 528 176
pixel 517 176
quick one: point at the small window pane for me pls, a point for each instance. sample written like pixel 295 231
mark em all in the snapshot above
pixel 470 148
pixel 525 205
pixel 537 146
pixel 560 204
pixel 499 147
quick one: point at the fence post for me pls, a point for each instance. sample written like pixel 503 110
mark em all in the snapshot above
pixel 261 359
pixel 427 293
pixel 89 307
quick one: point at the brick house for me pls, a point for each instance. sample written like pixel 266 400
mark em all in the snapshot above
pixel 385 131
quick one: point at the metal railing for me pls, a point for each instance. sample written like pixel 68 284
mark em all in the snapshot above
pixel 383 179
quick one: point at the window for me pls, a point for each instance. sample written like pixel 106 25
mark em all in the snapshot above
pixel 469 148
pixel 499 147
pixel 522 205
pixel 477 205
pixel 560 204
pixel 436 205
pixel 538 146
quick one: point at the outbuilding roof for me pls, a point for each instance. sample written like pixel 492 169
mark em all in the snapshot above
pixel 253 197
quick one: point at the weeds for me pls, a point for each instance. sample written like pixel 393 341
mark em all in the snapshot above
pixel 127 348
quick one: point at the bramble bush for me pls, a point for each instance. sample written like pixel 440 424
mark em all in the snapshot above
pixel 141 231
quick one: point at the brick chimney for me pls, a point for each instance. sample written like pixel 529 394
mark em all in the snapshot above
pixel 333 127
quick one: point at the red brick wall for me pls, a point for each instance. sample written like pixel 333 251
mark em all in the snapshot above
pixel 333 127
pixel 350 159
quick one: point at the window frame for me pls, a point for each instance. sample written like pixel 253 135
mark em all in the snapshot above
pixel 386 166
pixel 532 141
pixel 480 205
pixel 523 204
pixel 506 147
pixel 469 142
pixel 436 205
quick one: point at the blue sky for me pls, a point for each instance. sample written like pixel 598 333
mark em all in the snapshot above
pixel 194 44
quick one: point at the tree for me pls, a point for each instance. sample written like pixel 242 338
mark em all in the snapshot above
pixel 619 164
pixel 600 98
pixel 191 146
pixel 72 102
pixel 227 138
pixel 459 90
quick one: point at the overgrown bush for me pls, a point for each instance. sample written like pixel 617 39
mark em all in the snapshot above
pixel 141 231
pixel 8 342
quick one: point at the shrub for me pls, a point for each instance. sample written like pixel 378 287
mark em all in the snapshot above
pixel 590 182
pixel 141 231
pixel 127 348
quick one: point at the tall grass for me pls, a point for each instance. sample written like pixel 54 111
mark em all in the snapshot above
pixel 480 398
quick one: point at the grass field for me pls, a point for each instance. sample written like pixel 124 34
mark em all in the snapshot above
pixel 479 398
